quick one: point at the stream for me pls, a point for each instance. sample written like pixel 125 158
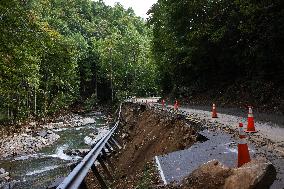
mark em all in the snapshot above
pixel 38 171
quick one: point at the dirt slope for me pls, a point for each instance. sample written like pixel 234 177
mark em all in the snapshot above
pixel 145 134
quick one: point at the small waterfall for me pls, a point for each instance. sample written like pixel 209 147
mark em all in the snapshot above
pixel 61 155
pixel 48 168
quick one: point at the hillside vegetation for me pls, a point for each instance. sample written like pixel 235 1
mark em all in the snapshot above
pixel 228 47
pixel 54 53
pixel 58 53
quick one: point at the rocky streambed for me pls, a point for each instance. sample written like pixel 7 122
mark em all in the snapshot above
pixel 26 143
pixel 40 154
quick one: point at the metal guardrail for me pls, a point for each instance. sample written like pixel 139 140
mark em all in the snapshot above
pixel 76 178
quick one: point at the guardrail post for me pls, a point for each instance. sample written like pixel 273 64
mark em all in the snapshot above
pixel 115 137
pixel 115 142
pixel 83 185
pixel 113 145
pixel 99 177
pixel 107 159
pixel 100 160
pixel 104 153
pixel 108 147
pixel 76 178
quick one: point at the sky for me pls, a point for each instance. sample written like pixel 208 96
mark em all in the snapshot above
pixel 139 6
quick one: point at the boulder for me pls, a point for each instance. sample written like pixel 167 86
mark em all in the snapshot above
pixel 77 152
pixel 88 140
pixel 33 124
pixel 28 130
pixel 4 175
pixel 10 185
pixel 2 171
pixel 259 173
pixel 25 135
pixel 60 119
pixel 42 133
pixel 209 175
pixel 49 132
pixel 56 183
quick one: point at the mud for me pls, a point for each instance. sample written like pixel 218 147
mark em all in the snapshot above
pixel 146 133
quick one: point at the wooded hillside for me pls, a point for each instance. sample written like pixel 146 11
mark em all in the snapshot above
pixel 201 45
pixel 57 52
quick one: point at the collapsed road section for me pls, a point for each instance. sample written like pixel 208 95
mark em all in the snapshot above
pixel 167 149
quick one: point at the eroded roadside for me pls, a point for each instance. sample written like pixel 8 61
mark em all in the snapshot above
pixel 146 133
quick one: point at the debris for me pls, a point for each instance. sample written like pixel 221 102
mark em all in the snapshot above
pixel 259 173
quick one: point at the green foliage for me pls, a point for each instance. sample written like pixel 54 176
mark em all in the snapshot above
pixel 56 52
pixel 200 43
pixel 90 102
pixel 147 177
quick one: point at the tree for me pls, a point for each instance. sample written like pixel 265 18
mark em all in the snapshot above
pixel 201 43
pixel 55 53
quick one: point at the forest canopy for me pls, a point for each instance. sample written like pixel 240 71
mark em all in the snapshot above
pixel 57 53
pixel 54 53
pixel 202 44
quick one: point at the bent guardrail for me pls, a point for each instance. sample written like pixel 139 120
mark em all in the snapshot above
pixel 76 178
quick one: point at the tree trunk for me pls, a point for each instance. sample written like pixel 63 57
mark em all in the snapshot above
pixel 35 102
pixel 96 85
pixel 111 82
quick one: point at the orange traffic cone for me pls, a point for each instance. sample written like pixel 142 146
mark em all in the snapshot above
pixel 214 111
pixel 250 126
pixel 163 104
pixel 176 105
pixel 243 152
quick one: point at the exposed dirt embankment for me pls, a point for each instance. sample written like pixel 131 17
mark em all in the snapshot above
pixel 146 133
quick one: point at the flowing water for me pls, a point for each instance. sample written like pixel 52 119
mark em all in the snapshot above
pixel 39 170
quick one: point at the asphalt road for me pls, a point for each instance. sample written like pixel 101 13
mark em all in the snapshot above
pixel 219 146
pixel 222 146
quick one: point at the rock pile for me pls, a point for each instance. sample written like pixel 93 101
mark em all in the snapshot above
pixel 70 120
pixel 35 136
pixel 94 137
pixel 26 143
pixel 77 152
pixel 3 174
pixel 4 177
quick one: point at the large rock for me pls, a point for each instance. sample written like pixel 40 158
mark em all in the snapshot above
pixel 9 185
pixel 257 174
pixel 2 171
pixel 77 152
pixel 209 175
pixel 33 124
pixel 60 119
pixel 42 133
pixel 56 183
